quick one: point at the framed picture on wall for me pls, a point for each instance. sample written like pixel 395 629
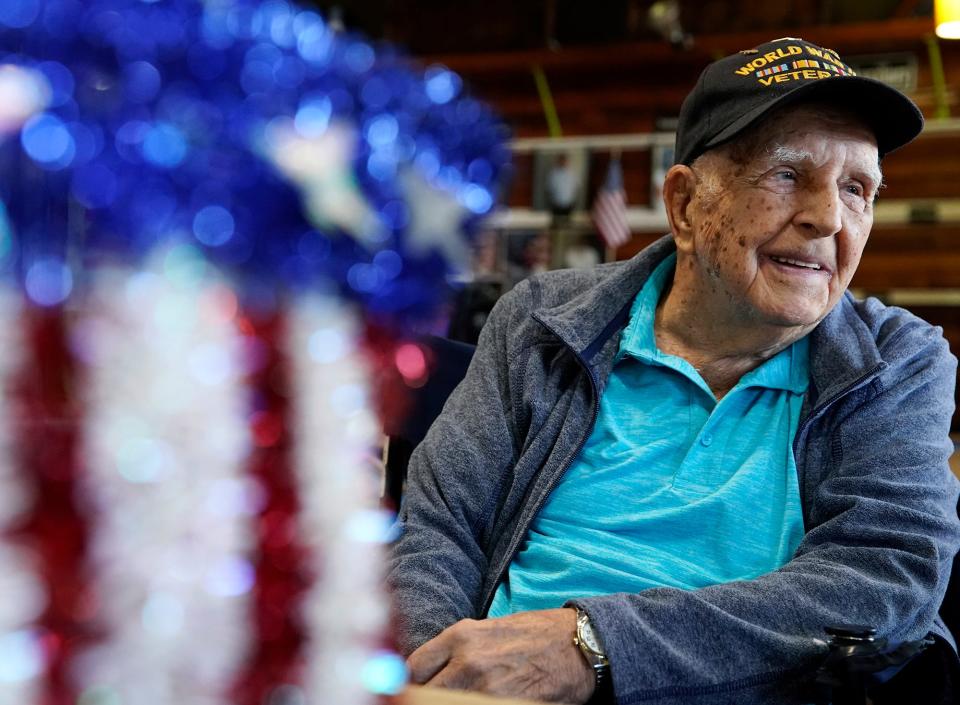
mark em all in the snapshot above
pixel 559 181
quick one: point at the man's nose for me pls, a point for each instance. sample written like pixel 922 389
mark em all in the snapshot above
pixel 820 211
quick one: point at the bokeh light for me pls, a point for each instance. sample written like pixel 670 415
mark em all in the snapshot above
pixel 185 265
pixel 213 225
pixel 411 362
pixel 19 13
pixel 348 400
pixel 162 614
pixel 442 85
pixel 21 656
pixel 313 116
pixel 369 526
pixel 382 131
pixel 49 281
pixel 47 141
pixel 385 673
pixel 230 577
pixel 328 345
pixel 164 145
pixel 143 460
pixel 23 92
pixel 476 198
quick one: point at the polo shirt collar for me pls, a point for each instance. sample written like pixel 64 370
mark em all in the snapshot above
pixel 787 370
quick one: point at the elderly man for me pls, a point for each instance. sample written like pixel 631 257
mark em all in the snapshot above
pixel 662 478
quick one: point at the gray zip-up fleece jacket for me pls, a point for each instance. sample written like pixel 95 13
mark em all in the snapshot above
pixel 879 501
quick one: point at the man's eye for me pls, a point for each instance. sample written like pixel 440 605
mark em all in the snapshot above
pixel 855 189
pixel 786 175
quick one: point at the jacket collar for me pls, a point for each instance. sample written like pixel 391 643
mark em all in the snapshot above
pixel 843 350
pixel 587 321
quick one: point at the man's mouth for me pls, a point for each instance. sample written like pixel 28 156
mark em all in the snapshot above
pixel 796 262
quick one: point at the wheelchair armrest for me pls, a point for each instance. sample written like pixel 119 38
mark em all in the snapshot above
pixel 858 661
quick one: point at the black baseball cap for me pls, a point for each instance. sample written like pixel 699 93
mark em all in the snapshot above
pixel 736 91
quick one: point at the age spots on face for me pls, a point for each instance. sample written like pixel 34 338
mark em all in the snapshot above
pixel 742 241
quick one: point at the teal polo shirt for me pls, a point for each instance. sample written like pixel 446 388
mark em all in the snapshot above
pixel 672 488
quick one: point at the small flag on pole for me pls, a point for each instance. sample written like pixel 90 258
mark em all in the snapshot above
pixel 610 207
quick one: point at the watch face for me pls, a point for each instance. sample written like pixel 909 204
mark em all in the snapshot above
pixel 590 638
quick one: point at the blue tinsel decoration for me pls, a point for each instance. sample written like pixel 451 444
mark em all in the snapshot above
pixel 155 128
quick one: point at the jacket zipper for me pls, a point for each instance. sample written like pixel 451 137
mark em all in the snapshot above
pixel 816 413
pixel 521 530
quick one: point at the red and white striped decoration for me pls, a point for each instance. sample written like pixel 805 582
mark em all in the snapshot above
pixel 22 593
pixel 334 428
pixel 198 509
pixel 166 444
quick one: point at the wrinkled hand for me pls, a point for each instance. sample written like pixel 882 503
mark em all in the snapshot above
pixel 526 655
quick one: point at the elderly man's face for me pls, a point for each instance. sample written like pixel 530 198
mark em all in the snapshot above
pixel 779 228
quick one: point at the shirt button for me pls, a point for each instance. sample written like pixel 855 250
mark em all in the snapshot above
pixel 706 439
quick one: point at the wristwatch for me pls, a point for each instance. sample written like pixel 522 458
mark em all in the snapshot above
pixel 589 645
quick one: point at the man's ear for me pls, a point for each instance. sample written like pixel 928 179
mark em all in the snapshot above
pixel 678 188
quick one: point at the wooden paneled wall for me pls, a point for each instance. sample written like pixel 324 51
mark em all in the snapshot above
pixel 624 87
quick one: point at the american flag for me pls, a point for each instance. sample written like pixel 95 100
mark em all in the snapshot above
pixel 610 208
